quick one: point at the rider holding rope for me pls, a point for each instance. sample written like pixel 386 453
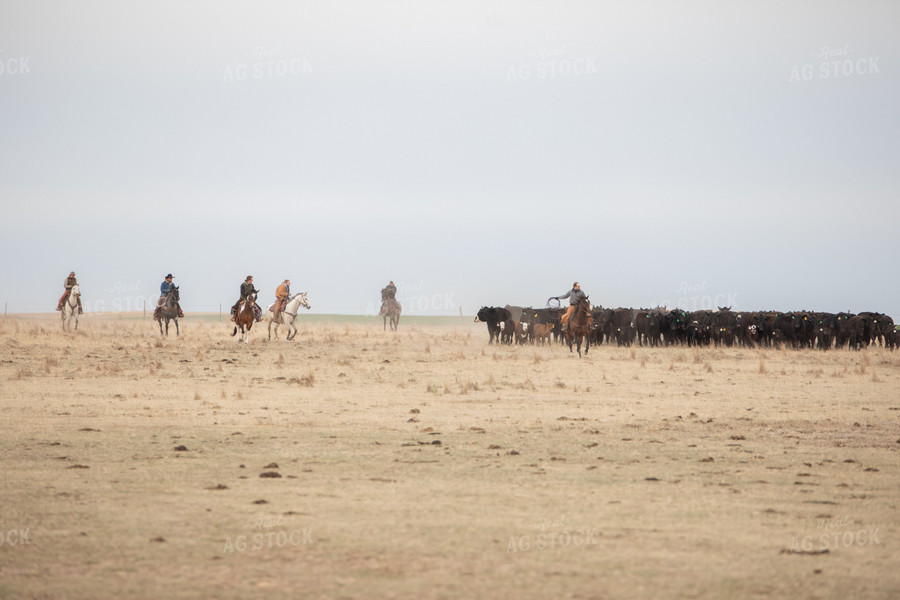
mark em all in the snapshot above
pixel 574 295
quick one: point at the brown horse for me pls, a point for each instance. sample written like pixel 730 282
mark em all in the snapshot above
pixel 579 326
pixel 244 318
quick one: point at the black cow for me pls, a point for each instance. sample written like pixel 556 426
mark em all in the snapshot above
pixel 621 326
pixel 624 335
pixel 792 328
pixel 892 340
pixel 646 326
pixel 747 330
pixel 766 324
pixel 699 330
pixel 860 329
pixel 842 335
pixel 806 331
pixel 673 327
pixel 824 329
pixel 725 327
pixel 493 316
pixel 601 328
pixel 880 324
pixel 700 324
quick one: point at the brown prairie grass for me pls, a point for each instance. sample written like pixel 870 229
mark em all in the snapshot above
pixel 525 436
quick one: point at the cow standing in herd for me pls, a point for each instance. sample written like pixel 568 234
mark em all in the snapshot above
pixel 723 327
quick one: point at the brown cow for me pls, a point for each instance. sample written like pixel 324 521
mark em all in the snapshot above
pixel 542 332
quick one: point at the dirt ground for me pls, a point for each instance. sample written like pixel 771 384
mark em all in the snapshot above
pixel 353 463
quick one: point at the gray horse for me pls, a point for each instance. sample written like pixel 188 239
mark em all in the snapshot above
pixel 168 310
pixel 390 310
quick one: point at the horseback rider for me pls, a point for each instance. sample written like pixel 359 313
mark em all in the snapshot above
pixel 247 288
pixel 164 288
pixel 69 284
pixel 574 295
pixel 390 290
pixel 282 294
pixel 388 295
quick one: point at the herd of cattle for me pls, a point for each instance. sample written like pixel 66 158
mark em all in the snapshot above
pixel 659 326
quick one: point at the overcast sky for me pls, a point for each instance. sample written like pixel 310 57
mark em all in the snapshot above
pixel 690 153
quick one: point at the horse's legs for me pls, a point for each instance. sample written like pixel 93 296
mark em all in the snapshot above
pixel 177 330
pixel 270 332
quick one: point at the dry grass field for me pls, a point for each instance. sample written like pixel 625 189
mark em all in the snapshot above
pixel 353 463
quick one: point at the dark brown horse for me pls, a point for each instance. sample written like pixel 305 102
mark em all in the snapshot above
pixel 579 326
pixel 244 318
pixel 169 310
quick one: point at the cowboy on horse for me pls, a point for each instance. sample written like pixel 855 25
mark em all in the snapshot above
pixel 69 284
pixel 164 288
pixel 388 295
pixel 390 308
pixel 575 296
pixel 282 293
pixel 247 288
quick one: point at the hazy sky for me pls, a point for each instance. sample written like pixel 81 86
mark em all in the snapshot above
pixel 474 152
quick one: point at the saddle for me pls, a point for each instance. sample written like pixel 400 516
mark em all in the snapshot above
pixel 160 302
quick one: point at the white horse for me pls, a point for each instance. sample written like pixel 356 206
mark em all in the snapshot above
pixel 70 309
pixel 288 315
